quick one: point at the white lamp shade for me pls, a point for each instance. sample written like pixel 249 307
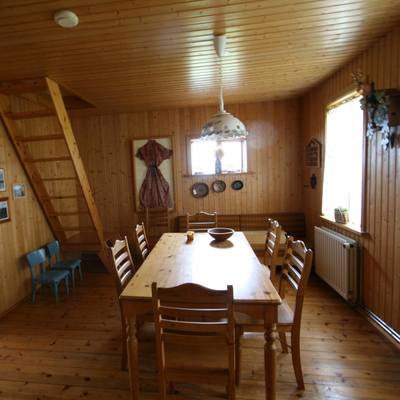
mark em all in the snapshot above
pixel 224 126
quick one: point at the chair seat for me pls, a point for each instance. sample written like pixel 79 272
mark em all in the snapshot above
pixel 52 276
pixel 66 264
pixel 285 317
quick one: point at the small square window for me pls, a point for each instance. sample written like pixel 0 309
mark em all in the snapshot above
pixel 204 156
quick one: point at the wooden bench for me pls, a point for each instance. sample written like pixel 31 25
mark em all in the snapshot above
pixel 254 226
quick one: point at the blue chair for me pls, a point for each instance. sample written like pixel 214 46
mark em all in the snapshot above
pixel 45 276
pixel 53 250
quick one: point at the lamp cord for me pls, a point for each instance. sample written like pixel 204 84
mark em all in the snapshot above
pixel 221 92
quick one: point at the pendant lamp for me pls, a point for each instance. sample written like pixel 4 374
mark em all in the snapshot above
pixel 223 125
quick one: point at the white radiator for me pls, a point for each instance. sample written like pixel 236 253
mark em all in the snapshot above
pixel 336 262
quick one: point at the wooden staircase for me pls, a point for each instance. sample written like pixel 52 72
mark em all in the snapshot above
pixel 52 162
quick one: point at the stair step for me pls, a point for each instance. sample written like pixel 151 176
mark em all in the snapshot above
pixel 68 196
pixel 38 138
pixel 81 246
pixel 49 159
pixel 77 229
pixel 61 178
pixel 64 213
pixel 30 114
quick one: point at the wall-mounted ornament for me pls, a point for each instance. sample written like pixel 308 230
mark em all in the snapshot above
pixel 3 186
pixel 313 154
pixel 4 210
pixel 19 190
pixel 199 190
pixel 218 186
pixel 382 108
pixel 313 181
pixel 153 172
pixel 237 185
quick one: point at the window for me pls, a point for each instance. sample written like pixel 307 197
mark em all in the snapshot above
pixel 343 174
pixel 203 156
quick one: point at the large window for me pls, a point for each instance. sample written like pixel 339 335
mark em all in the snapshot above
pixel 232 155
pixel 344 160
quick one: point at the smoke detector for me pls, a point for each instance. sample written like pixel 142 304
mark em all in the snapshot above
pixel 66 19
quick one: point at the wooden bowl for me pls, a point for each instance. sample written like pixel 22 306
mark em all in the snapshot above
pixel 220 234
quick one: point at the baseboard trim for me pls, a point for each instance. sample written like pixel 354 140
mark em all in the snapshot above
pixel 383 328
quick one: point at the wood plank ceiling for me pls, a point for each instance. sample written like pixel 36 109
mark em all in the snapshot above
pixel 133 55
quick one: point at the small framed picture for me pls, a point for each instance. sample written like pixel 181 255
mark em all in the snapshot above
pixel 19 190
pixel 2 180
pixel 4 210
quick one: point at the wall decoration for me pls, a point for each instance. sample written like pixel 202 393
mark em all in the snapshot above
pixel 313 154
pixel 3 186
pixel 19 190
pixel 313 181
pixel 153 172
pixel 4 210
pixel 376 103
pixel 218 186
pixel 237 185
pixel 199 190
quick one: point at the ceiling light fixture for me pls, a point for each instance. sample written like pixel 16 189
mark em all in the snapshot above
pixel 66 19
pixel 223 125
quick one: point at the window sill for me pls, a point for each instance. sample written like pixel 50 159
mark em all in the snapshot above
pixel 223 174
pixel 346 227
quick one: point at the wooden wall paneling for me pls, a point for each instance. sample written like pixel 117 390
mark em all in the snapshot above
pixel 27 230
pixel 379 249
pixel 105 145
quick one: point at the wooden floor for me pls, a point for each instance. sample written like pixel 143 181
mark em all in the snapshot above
pixel 72 351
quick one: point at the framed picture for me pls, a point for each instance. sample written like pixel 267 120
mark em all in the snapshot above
pixel 19 190
pixel 2 180
pixel 141 162
pixel 4 210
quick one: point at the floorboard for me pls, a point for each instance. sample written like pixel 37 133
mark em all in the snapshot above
pixel 71 350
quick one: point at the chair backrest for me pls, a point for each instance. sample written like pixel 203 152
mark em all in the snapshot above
pixel 156 221
pixel 296 271
pixel 201 221
pixel 142 245
pixel 124 268
pixel 272 241
pixel 191 313
pixel 35 258
pixel 53 249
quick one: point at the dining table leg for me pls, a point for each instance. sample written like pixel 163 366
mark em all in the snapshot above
pixel 133 358
pixel 270 320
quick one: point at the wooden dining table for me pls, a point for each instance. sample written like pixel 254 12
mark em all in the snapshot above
pixel 174 261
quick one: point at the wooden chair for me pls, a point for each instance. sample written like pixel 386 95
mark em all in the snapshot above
pixel 194 329
pixel 156 223
pixel 45 276
pixel 55 262
pixel 296 271
pixel 141 243
pixel 201 221
pixel 273 246
pixel 124 269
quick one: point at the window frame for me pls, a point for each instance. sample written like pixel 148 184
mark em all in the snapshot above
pixel 189 140
pixel 362 229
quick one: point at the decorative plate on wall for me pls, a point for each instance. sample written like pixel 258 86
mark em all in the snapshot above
pixel 218 186
pixel 199 190
pixel 237 185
